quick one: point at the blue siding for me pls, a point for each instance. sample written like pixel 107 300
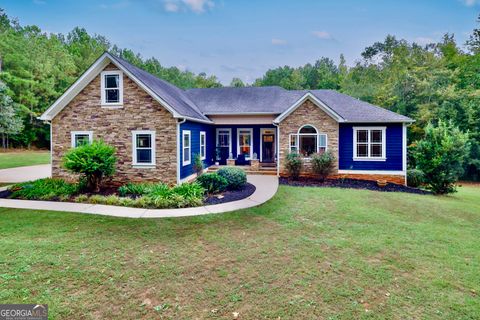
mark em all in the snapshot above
pixel 195 129
pixel 210 130
pixel 394 146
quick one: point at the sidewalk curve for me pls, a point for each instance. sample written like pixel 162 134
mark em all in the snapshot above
pixel 266 187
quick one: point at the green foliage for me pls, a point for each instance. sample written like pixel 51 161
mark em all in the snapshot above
pixel 10 120
pixel 235 177
pixel 135 189
pixel 415 178
pixel 197 164
pixel 440 155
pixel 323 164
pixel 158 195
pixel 44 189
pixel 293 164
pixel 212 182
pixel 93 161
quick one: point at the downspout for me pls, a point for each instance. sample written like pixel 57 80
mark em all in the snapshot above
pixel 404 150
pixel 278 147
pixel 178 149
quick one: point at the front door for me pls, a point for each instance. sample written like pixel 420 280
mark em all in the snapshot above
pixel 268 147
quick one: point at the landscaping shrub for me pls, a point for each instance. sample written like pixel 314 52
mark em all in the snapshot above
pixel 93 161
pixel 212 182
pixel 197 164
pixel 44 189
pixel 293 164
pixel 441 155
pixel 235 177
pixel 415 178
pixel 158 195
pixel 323 164
pixel 135 189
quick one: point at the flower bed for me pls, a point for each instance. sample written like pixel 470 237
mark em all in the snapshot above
pixel 211 189
pixel 351 183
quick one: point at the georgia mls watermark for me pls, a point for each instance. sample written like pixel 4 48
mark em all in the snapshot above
pixel 23 312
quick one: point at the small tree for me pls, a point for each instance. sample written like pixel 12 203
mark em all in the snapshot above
pixel 93 161
pixel 294 165
pixel 440 155
pixel 323 164
pixel 10 119
pixel 197 164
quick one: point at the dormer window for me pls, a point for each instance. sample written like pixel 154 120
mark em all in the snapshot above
pixel 112 88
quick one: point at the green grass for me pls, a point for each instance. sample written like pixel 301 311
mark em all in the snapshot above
pixel 23 158
pixel 306 254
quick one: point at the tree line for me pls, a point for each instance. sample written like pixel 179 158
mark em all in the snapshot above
pixel 429 83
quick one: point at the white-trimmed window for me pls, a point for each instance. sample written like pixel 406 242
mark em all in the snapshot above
pixel 112 88
pixel 80 138
pixel 186 147
pixel 308 141
pixel 244 142
pixel 369 143
pixel 143 142
pixel 203 145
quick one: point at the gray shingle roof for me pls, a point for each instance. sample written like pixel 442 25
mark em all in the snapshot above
pixel 173 95
pixel 229 100
pixel 355 110
pixel 199 103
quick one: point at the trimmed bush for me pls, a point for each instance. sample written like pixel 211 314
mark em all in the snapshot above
pixel 441 155
pixel 93 161
pixel 44 189
pixel 212 182
pixel 323 164
pixel 293 164
pixel 415 178
pixel 235 177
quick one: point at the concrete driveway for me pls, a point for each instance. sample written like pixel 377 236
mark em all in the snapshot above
pixel 21 174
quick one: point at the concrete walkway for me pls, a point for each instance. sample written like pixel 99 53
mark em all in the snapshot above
pixel 22 174
pixel 266 187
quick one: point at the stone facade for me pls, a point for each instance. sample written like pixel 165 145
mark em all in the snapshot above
pixel 307 113
pixel 139 112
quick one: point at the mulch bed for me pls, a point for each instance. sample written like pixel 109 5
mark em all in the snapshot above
pixel 352 184
pixel 231 195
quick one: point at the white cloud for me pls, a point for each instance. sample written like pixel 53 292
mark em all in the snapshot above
pixel 197 6
pixel 424 40
pixel 470 3
pixel 322 34
pixel 279 42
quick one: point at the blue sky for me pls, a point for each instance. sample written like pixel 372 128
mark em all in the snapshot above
pixel 244 38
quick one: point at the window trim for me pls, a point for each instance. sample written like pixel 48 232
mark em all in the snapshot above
pixel 369 157
pixel 250 156
pixel 204 135
pixel 74 133
pixel 104 103
pixel 134 148
pixel 298 135
pixel 229 138
pixel 184 133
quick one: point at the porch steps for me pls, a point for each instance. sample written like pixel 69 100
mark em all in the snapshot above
pixel 272 171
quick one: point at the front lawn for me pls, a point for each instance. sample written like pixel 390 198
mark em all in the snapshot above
pixel 308 253
pixel 23 158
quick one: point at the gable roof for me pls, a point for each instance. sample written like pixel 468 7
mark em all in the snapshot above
pixel 197 104
pixel 169 96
